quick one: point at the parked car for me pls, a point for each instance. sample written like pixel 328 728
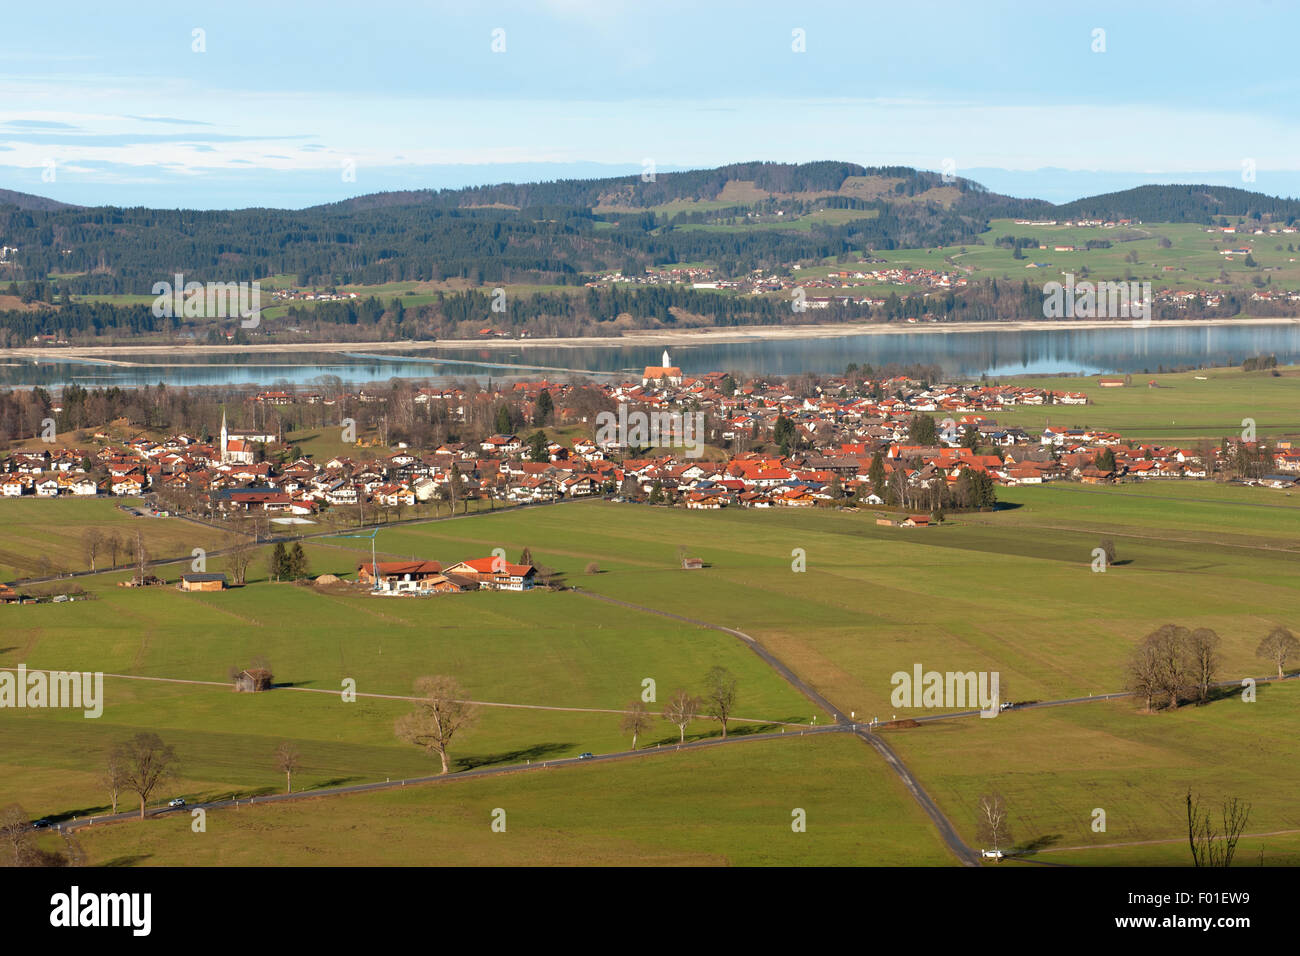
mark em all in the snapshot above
pixel 178 802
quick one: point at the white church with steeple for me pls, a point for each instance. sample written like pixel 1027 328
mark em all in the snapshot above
pixel 234 451
pixel 667 373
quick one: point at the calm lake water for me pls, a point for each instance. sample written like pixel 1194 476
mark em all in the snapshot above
pixel 964 355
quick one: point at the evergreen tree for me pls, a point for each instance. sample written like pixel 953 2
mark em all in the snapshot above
pixel 297 562
pixel 279 562
pixel 877 475
pixel 502 424
pixel 545 408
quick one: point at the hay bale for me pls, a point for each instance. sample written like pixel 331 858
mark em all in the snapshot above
pixel 327 579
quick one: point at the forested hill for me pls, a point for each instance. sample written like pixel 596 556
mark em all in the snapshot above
pixel 27 201
pixel 741 182
pixel 556 232
pixel 737 218
pixel 1180 204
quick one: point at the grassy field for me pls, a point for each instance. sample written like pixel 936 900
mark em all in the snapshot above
pixel 984 593
pixel 1183 409
pixel 43 536
pixel 1137 769
pixel 717 806
pixel 1008 591
pixel 1193 259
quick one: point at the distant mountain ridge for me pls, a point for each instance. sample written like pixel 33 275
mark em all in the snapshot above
pixel 31 202
pixel 1179 203
pixel 561 232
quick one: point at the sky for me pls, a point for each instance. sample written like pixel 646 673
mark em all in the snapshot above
pixel 286 103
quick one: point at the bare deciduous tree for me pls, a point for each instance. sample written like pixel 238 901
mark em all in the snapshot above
pixel 438 717
pixel 92 541
pixel 720 695
pixel 16 832
pixel 287 760
pixel 636 721
pixel 1277 646
pixel 1143 671
pixel 240 557
pixel 114 544
pixel 680 710
pixel 1203 655
pixel 141 558
pixel 1210 847
pixel 146 762
pixel 993 827
pixel 1169 643
pixel 114 778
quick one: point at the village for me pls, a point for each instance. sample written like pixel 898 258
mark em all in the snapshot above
pixel 850 439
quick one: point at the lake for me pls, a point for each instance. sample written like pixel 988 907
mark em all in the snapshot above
pixel 961 355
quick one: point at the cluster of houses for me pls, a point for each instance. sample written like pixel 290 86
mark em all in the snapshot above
pixel 761 281
pixel 832 436
pixel 431 577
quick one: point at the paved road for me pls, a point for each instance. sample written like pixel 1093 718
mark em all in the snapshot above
pixel 73 825
pixel 964 853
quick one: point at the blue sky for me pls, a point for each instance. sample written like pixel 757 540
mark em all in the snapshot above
pixel 298 103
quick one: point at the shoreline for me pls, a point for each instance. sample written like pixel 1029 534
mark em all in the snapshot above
pixel 648 337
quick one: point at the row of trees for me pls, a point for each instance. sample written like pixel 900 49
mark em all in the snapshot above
pixel 1174 664
pixel 288 564
pixel 442 712
pixel 717 702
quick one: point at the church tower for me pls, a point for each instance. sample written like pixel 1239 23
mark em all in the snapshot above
pixel 666 363
pixel 225 439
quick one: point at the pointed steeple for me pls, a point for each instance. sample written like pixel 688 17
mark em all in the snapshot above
pixel 667 363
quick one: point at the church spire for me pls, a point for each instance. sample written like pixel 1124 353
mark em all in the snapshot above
pixel 667 362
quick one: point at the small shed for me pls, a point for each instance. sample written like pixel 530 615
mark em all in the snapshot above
pixel 253 680
pixel 213 581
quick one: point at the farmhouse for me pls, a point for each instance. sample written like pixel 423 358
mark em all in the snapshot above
pixel 401 577
pixel 495 574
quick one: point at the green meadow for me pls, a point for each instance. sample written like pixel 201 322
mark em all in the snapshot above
pixel 45 536
pixel 1193 259
pixel 1054 767
pixel 1010 591
pixel 1186 407
pixel 728 805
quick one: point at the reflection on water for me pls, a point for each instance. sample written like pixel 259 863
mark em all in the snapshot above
pixel 964 355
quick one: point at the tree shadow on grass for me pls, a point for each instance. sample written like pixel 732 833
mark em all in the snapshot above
pixel 1035 845
pixel 536 752
pixel 67 815
pixel 336 782
pixel 127 860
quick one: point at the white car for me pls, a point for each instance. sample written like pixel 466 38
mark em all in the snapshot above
pixel 178 802
pixel 991 854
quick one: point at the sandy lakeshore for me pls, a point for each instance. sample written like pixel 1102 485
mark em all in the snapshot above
pixel 649 337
